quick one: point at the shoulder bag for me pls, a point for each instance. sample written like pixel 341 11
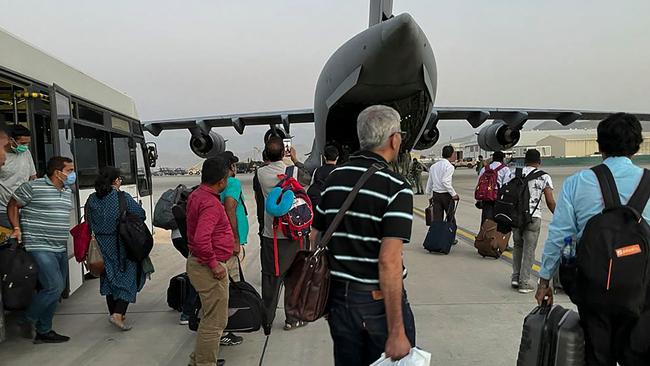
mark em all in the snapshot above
pixel 308 279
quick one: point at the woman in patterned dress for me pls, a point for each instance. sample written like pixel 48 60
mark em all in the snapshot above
pixel 122 278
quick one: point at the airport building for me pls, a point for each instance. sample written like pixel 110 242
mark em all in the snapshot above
pixel 564 143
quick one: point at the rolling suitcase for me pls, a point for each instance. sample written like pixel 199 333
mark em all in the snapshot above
pixel 490 242
pixel 177 291
pixel 441 234
pixel 552 336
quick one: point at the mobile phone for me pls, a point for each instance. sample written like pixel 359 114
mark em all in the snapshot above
pixel 287 147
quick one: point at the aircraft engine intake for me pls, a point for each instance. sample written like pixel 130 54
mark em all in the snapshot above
pixel 428 139
pixel 207 146
pixel 498 136
pixel 278 131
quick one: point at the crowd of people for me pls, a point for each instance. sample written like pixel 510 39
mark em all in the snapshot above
pixel 612 335
pixel 368 309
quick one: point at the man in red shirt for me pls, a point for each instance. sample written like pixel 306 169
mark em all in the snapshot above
pixel 211 243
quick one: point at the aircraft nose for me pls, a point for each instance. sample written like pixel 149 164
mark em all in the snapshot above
pixel 400 28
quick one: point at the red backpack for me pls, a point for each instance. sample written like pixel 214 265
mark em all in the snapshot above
pixel 295 224
pixel 487 188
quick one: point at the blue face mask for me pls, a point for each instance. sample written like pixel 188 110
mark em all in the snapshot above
pixel 70 179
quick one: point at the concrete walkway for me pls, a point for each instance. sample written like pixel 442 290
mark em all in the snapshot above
pixel 465 311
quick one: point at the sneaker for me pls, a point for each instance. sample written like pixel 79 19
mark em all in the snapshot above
pixel 185 320
pixel 525 289
pixel 514 281
pixel 231 339
pixel 50 337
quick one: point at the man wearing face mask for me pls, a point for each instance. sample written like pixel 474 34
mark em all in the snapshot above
pixel 43 227
pixel 18 169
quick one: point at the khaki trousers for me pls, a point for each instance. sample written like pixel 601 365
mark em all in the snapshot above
pixel 214 301
pixel 233 268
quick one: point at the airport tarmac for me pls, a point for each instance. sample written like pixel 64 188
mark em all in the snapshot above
pixel 465 311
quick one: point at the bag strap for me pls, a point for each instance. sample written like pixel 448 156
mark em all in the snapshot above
pixel 347 203
pixel 639 199
pixel 607 186
pixel 519 173
pixel 499 167
pixel 534 175
pixel 122 199
pixel 289 171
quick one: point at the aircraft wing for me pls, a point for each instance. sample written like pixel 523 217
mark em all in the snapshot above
pixel 238 121
pixel 515 116
pixel 475 116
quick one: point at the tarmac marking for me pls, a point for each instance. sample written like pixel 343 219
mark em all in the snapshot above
pixel 470 237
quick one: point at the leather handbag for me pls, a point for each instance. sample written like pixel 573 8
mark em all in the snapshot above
pixel 428 213
pixel 308 279
pixel 81 236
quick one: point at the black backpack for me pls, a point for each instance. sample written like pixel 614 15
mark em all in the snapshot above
pixel 133 233
pixel 512 208
pixel 19 276
pixel 612 261
pixel 318 183
pixel 162 214
pixel 180 215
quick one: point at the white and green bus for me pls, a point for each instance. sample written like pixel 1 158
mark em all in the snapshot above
pixel 74 115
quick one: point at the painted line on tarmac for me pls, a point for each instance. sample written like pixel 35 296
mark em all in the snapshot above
pixel 470 237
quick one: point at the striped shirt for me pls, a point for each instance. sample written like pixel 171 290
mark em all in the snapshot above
pixel 44 215
pixel 382 209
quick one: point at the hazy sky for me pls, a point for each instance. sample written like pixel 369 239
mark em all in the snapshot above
pixel 210 57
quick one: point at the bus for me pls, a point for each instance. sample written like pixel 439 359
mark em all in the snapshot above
pixel 71 114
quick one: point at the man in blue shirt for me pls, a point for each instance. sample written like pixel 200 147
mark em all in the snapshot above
pixel 607 335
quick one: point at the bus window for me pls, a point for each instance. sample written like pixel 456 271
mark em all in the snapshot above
pixel 92 147
pixel 42 134
pixel 144 182
pixel 90 115
pixel 122 158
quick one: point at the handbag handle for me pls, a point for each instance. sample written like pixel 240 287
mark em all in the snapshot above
pixel 322 244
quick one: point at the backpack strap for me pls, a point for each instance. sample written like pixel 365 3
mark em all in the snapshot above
pixel 534 175
pixel 642 194
pixel 289 171
pixel 519 173
pixel 500 167
pixel 607 186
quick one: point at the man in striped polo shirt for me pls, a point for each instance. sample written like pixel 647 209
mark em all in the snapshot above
pixel 43 227
pixel 368 309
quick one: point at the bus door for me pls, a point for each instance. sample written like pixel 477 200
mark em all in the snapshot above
pixel 61 122
pixel 143 180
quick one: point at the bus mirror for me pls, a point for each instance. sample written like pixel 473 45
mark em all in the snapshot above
pixel 152 152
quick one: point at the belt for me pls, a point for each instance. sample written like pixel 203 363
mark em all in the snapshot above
pixel 355 286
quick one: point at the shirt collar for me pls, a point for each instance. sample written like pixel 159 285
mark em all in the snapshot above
pixel 369 155
pixel 207 189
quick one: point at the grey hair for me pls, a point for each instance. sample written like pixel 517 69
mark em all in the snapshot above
pixel 375 125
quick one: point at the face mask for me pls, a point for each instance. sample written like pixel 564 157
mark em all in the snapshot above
pixel 21 149
pixel 70 179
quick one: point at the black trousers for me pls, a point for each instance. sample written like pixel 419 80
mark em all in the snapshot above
pixel 607 338
pixel 358 325
pixel 441 205
pixel 116 306
pixel 271 282
pixel 488 211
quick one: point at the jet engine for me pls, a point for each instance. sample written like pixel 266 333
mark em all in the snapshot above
pixel 498 136
pixel 207 146
pixel 277 131
pixel 428 139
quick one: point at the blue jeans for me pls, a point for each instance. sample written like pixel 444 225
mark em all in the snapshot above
pixel 358 325
pixel 52 276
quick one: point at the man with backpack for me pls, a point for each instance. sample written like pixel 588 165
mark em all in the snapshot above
pixel 610 281
pixel 331 155
pixel 518 207
pixel 490 179
pixel 277 250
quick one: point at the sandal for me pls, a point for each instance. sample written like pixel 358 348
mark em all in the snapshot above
pixel 123 327
pixel 296 325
